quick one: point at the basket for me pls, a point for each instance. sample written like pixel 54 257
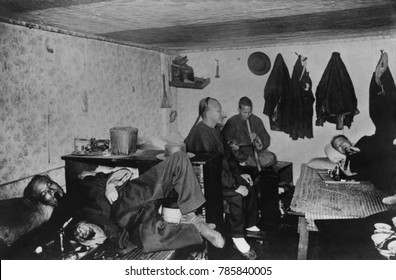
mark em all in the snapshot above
pixel 123 140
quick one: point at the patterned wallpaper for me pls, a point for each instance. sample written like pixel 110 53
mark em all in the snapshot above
pixel 54 88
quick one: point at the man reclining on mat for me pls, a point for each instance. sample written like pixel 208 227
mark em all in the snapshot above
pixel 366 160
pixel 127 210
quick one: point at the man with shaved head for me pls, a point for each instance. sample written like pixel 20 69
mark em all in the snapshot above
pixel 238 192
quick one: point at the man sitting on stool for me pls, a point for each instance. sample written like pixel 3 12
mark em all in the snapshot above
pixel 237 188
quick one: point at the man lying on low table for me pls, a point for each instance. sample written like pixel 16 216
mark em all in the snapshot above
pixel 127 210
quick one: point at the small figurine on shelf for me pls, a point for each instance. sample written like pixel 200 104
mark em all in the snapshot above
pixel 183 75
pixel 181 71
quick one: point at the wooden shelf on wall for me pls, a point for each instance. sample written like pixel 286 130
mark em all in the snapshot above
pixel 199 83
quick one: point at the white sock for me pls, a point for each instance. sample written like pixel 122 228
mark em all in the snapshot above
pixel 389 199
pixel 253 228
pixel 241 244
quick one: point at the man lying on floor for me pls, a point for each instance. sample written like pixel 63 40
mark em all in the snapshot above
pixel 127 210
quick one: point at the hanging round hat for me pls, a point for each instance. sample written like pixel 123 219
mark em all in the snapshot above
pixel 259 63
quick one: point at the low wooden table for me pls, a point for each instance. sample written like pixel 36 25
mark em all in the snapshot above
pixel 314 199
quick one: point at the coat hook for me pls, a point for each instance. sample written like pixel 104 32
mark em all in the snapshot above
pixel 217 69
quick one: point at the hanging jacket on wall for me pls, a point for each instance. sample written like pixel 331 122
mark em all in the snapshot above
pixel 376 160
pixel 303 99
pixel 382 101
pixel 277 97
pixel 335 95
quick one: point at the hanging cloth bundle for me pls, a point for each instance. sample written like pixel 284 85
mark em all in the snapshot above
pixel 277 97
pixel 335 95
pixel 303 99
pixel 382 101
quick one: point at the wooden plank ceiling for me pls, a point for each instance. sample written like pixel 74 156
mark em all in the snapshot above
pixel 185 25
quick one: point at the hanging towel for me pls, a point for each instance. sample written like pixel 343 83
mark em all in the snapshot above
pixel 277 97
pixel 303 99
pixel 335 95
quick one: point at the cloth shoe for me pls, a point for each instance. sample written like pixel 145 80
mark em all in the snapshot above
pixel 389 200
pixel 204 229
pixel 255 234
pixel 249 255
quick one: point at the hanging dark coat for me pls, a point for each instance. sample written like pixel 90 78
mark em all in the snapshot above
pixel 376 160
pixel 277 97
pixel 335 95
pixel 382 101
pixel 303 99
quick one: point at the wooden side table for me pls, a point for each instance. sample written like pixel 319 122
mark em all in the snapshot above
pixel 270 179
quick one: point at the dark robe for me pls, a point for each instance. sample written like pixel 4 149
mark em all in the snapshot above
pixel 203 138
pixel 335 95
pixel 382 101
pixel 302 110
pixel 376 160
pixel 242 210
pixel 236 129
pixel 277 97
pixel 18 216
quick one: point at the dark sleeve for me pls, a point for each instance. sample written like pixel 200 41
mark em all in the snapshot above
pixel 271 95
pixel 363 162
pixel 231 166
pixel 262 133
pixel 117 233
pixel 320 96
pixel 97 209
pixel 45 233
pixel 229 132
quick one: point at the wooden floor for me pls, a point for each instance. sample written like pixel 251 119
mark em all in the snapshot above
pixel 281 244
pixel 107 252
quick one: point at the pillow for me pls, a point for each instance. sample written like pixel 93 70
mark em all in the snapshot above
pixel 333 154
pixel 321 163
pixel 19 216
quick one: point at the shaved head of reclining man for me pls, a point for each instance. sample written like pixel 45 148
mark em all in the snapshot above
pixel 42 189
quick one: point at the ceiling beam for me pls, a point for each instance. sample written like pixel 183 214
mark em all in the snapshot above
pixel 21 6
pixel 346 22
